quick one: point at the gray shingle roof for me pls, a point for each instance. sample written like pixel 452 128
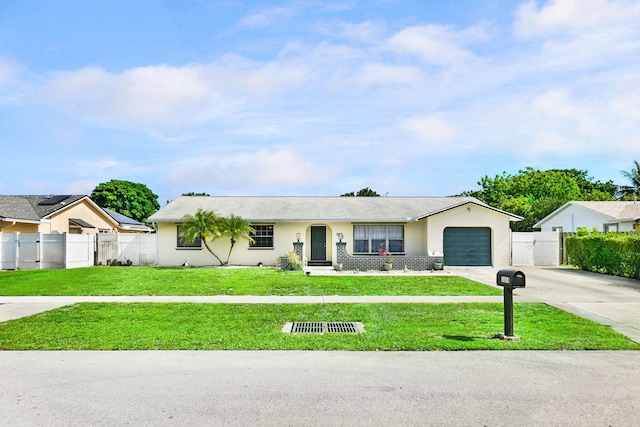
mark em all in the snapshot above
pixel 29 208
pixel 616 210
pixel 290 209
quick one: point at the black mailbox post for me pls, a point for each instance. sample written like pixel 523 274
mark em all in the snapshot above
pixel 509 279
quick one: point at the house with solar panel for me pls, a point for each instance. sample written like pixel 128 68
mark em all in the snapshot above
pixel 417 233
pixel 57 214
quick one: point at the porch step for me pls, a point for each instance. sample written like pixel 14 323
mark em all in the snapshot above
pixel 319 263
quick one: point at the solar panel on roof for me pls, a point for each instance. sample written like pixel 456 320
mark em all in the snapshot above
pixel 53 200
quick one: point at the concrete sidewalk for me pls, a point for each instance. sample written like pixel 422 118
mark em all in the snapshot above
pixel 17 307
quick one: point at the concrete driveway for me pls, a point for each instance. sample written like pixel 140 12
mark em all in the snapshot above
pixel 609 300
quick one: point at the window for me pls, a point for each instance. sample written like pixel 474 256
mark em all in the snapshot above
pixel 182 243
pixel 263 236
pixel 369 239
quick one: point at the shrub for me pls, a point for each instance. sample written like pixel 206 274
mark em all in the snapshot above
pixel 289 261
pixel 611 253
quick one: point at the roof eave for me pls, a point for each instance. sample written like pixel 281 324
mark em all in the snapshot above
pixel 511 216
pixel 26 221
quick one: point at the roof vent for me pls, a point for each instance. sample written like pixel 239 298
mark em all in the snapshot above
pixel 323 328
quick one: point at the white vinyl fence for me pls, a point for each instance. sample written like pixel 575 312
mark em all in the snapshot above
pixel 536 248
pixel 134 249
pixel 37 251
pixel 43 251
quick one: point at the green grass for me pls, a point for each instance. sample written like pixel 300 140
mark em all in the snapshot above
pixel 411 327
pixel 225 281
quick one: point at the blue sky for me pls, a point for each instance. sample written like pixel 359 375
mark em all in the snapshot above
pixel 409 98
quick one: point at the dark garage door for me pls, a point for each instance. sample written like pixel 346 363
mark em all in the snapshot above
pixel 467 246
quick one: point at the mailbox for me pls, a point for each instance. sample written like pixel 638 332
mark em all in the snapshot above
pixel 510 278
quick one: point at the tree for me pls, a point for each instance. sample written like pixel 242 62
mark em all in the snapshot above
pixel 206 225
pixel 534 194
pixel 134 200
pixel 365 192
pixel 631 192
pixel 209 226
pixel 236 228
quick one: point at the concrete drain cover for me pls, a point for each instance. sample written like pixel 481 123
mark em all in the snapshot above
pixel 323 328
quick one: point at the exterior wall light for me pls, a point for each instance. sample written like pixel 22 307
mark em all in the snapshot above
pixel 340 236
pixel 298 236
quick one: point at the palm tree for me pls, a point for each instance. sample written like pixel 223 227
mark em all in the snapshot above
pixel 633 190
pixel 236 228
pixel 206 225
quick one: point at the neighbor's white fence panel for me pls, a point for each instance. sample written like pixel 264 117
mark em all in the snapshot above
pixel 29 251
pixel 80 250
pixel 546 248
pixel 35 251
pixel 8 251
pixel 522 248
pixel 537 248
pixel 52 250
pixel 140 249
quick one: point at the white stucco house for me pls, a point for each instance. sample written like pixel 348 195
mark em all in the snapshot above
pixel 605 216
pixel 466 230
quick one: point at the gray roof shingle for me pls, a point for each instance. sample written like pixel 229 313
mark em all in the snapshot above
pixel 29 208
pixel 291 209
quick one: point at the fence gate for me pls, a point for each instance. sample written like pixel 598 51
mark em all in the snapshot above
pixel 536 248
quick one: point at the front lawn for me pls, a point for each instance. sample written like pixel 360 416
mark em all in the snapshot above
pixel 411 327
pixel 136 281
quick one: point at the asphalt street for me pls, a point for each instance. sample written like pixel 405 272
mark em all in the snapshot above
pixel 271 388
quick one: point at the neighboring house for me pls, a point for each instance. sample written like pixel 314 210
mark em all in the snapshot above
pixel 466 230
pixel 74 214
pixel 126 224
pixel 605 216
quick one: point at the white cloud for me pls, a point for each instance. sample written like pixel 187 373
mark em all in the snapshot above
pixel 436 45
pixel 556 105
pixel 164 96
pixel 383 74
pixel 430 129
pixel 81 187
pixel 260 171
pixel 266 17
pixel 282 168
pixel 573 16
pixel 627 107
pixel 368 31
pixel 7 71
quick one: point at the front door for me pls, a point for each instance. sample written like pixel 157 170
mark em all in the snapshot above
pixel 318 243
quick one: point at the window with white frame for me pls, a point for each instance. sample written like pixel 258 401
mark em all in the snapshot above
pixel 182 242
pixel 370 239
pixel 263 236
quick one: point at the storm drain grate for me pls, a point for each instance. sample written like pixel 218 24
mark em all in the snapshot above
pixel 323 328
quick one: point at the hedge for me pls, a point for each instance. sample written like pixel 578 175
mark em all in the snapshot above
pixel 610 253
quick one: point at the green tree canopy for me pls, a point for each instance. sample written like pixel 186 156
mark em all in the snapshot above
pixel 365 192
pixel 534 194
pixel 134 200
pixel 631 191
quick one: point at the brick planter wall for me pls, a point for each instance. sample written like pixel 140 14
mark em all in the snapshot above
pixel 375 262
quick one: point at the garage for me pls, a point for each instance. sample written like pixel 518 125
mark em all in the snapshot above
pixel 467 246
